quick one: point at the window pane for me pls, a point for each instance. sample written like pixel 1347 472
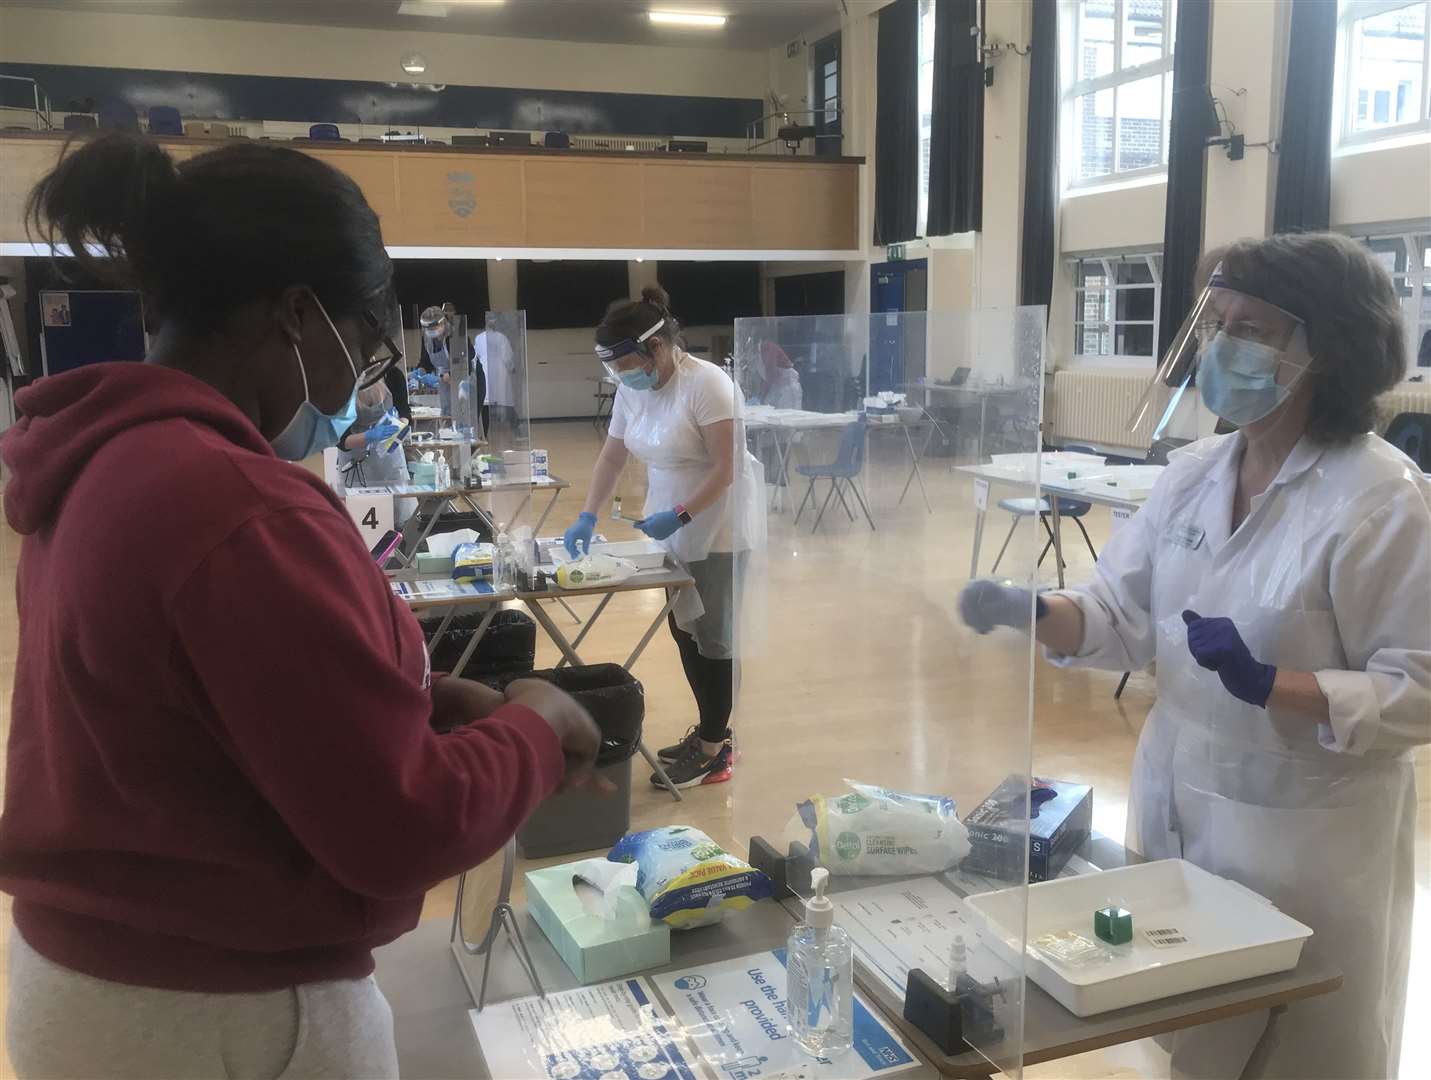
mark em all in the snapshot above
pixel 1092 340
pixel 1093 132
pixel 1140 124
pixel 1142 32
pixel 1095 38
pixel 1134 340
pixel 1133 271
pixel 1386 70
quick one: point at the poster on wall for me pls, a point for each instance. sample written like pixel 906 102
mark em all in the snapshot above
pixel 55 308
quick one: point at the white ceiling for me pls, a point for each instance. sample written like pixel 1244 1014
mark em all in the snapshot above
pixel 751 24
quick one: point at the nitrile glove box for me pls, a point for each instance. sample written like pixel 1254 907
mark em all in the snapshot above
pixel 594 948
pixel 1062 819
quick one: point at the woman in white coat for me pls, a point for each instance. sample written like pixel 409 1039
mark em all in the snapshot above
pixel 678 415
pixel 1280 576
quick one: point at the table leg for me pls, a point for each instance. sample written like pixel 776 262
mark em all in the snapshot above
pixel 914 473
pixel 441 629
pixel 569 654
pixel 406 552
pixel 477 635
pixel 978 539
pixel 983 413
pixel 1057 535
pixel 671 596
pixel 590 622
pixel 551 505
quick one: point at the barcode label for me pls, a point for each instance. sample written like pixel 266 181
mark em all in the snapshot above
pixel 1165 937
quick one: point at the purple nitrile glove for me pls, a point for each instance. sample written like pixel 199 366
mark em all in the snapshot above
pixel 1216 645
pixel 659 526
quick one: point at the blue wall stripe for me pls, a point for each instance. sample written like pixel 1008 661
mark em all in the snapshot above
pixel 341 101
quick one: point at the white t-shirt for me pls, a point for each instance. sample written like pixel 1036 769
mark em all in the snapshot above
pixel 662 429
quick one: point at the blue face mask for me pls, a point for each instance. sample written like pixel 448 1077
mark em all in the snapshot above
pixel 311 430
pixel 1238 379
pixel 640 379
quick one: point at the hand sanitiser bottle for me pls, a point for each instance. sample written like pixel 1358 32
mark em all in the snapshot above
pixel 820 969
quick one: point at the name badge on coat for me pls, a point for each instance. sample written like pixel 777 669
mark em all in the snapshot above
pixel 1185 534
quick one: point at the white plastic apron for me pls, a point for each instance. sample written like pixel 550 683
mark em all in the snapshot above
pixel 662 433
pixel 371 468
pixel 1252 795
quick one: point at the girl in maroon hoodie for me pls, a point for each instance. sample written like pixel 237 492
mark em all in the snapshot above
pixel 223 789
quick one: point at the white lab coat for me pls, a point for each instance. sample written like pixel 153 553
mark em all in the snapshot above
pixel 499 365
pixel 662 429
pixel 1330 574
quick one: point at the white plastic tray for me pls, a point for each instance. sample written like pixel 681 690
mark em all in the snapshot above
pixel 1133 481
pixel 1231 933
pixel 646 554
pixel 1054 464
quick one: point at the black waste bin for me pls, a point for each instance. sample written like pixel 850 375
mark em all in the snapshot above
pixel 581 820
pixel 507 650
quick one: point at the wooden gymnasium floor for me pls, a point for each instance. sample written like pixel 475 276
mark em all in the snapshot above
pixel 865 672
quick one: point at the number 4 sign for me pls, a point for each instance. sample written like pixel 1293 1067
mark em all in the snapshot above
pixel 372 514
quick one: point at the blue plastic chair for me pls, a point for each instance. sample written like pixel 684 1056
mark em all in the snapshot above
pixel 325 133
pixel 118 116
pixel 165 120
pixel 1073 509
pixel 1410 433
pixel 842 473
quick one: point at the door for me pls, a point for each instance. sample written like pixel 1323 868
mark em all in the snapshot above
pixel 896 288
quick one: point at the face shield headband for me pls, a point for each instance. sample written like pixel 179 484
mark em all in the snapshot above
pixel 1251 352
pixel 611 355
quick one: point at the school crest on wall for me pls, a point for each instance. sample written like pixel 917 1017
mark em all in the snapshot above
pixel 461 193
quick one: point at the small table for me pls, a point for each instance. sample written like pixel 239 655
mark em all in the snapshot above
pixel 432 503
pixel 430 995
pixel 985 476
pixel 670 578
pixel 977 393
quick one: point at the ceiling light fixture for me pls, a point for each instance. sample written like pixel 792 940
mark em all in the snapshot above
pixel 414 63
pixel 686 18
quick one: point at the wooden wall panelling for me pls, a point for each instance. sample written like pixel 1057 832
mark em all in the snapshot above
pixel 805 206
pixel 596 204
pixel 698 205
pixel 22 163
pixel 460 200
pixel 376 172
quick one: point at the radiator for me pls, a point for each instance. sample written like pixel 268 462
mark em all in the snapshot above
pixel 1094 407
pixel 1412 398
pixel 615 142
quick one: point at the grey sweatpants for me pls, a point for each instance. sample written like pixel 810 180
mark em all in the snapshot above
pixel 64 1024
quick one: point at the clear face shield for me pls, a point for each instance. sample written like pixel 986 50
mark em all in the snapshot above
pixel 436 321
pixel 1244 355
pixel 627 355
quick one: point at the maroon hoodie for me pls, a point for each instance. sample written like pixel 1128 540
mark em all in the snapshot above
pixel 221 775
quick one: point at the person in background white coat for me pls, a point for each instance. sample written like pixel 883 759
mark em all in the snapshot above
pixel 1280 576
pixel 679 416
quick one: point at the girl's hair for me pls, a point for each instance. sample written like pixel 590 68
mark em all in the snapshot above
pixel 202 237
pixel 632 318
pixel 1348 305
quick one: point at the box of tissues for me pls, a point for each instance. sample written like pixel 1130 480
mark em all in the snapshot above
pixel 596 920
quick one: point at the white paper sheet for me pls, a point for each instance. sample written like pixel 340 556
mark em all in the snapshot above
pixel 613 1031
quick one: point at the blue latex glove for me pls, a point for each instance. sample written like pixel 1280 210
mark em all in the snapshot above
pixel 383 429
pixel 578 537
pixel 659 526
pixel 985 604
pixel 1216 645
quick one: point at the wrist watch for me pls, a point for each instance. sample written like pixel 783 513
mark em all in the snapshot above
pixel 683 515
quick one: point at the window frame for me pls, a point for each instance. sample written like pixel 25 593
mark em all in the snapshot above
pixel 1346 135
pixel 1119 76
pixel 1415 240
pixel 1109 261
pixel 921 168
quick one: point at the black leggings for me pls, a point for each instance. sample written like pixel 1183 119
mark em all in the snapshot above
pixel 712 682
